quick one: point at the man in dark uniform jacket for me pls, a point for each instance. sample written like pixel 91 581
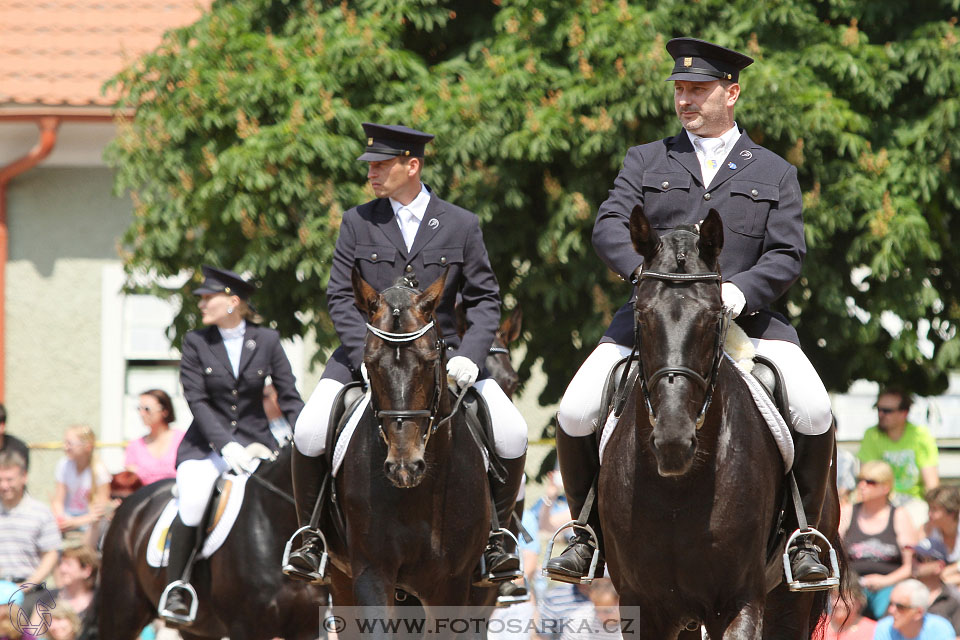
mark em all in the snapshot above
pixel 408 231
pixel 711 163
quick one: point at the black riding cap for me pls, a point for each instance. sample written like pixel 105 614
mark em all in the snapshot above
pixel 223 281
pixel 702 61
pixel 385 141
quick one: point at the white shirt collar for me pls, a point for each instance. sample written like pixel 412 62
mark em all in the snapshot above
pixel 234 332
pixel 729 140
pixel 417 207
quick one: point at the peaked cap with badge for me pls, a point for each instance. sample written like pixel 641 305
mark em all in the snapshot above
pixel 223 281
pixel 755 192
pixel 700 61
pixel 449 238
pixel 385 141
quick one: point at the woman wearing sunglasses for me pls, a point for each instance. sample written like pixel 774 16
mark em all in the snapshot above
pixel 154 456
pixel 877 536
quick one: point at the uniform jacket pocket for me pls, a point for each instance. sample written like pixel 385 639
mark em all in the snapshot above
pixel 750 205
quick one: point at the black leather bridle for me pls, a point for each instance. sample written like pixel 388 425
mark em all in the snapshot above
pixel 708 385
pixel 399 415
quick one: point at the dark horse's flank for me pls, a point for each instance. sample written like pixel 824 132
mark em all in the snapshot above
pixel 241 590
pixel 687 511
pixel 415 501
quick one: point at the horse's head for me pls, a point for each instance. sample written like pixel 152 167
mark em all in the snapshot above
pixel 679 326
pixel 404 360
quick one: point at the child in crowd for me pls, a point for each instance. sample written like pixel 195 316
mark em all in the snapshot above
pixel 83 482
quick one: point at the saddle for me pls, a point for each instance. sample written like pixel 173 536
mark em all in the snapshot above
pixel 620 382
pixel 479 425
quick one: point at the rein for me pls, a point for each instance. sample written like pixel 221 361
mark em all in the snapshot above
pixel 399 415
pixel 707 385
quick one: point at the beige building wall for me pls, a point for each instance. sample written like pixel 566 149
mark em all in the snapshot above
pixel 64 224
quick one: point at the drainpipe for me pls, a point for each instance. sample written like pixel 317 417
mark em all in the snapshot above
pixel 48 138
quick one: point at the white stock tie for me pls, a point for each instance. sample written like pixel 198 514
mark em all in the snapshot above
pixel 409 227
pixel 710 163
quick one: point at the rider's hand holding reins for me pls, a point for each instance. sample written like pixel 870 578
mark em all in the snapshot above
pixel 462 370
pixel 733 299
pixel 238 458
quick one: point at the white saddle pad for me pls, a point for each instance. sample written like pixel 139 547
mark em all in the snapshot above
pixel 158 548
pixel 778 428
pixel 340 451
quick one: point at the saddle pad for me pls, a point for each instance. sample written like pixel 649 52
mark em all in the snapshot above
pixel 778 428
pixel 346 435
pixel 158 549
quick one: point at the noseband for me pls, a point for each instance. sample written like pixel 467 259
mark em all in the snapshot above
pixel 670 371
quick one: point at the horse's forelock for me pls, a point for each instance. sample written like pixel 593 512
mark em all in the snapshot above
pixel 398 313
pixel 678 253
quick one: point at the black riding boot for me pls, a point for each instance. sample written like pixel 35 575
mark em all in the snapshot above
pixel 183 540
pixel 579 464
pixel 813 471
pixel 308 475
pixel 513 589
pixel 501 564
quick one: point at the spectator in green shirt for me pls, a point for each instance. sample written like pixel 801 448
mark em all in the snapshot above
pixel 909 449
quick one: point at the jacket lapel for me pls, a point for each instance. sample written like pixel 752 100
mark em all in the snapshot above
pixel 249 347
pixel 743 154
pixel 216 346
pixel 387 221
pixel 681 150
pixel 429 226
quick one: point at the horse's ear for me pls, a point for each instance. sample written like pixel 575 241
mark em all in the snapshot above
pixel 644 237
pixel 711 238
pixel 510 328
pixel 427 301
pixel 366 297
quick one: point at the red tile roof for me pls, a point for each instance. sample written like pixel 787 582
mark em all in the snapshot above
pixel 60 52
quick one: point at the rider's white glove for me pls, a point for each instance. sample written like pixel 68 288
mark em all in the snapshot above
pixel 238 458
pixel 733 299
pixel 461 370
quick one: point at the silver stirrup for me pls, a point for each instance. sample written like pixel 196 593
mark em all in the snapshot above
pixel 506 601
pixel 166 614
pixel 288 570
pixel 833 580
pixel 591 573
pixel 490 579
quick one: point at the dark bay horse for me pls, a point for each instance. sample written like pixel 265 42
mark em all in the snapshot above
pixel 241 590
pixel 413 486
pixel 690 489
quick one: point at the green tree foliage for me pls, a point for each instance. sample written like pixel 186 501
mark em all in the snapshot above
pixel 242 152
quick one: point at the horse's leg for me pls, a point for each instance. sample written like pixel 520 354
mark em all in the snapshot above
pixel 746 625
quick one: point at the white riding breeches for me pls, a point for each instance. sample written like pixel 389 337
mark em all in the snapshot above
pixel 509 427
pixel 195 481
pixel 810 412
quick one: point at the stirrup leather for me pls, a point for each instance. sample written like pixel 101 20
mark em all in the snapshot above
pixel 833 580
pixel 166 614
pixel 289 570
pixel 488 578
pixel 591 573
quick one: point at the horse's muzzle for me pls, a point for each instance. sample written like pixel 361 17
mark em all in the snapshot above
pixel 674 455
pixel 405 474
